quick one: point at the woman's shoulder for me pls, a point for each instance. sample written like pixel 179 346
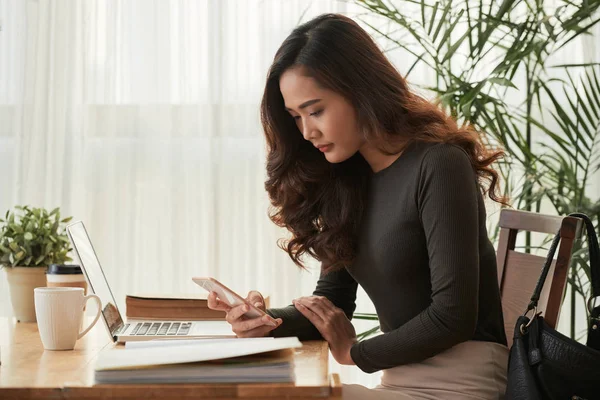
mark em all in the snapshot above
pixel 445 158
pixel 421 158
pixel 437 152
pixel 442 149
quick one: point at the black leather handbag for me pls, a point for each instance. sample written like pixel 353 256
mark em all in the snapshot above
pixel 543 363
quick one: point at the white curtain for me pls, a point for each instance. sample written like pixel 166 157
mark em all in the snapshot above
pixel 141 118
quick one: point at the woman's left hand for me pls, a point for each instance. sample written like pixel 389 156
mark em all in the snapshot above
pixel 332 323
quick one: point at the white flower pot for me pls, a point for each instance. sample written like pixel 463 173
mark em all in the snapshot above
pixel 21 282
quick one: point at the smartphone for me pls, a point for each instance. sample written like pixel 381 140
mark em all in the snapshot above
pixel 227 295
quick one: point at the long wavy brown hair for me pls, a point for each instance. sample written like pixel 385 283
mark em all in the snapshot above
pixel 320 203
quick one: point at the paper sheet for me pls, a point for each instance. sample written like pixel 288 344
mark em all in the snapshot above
pixel 202 350
pixel 187 342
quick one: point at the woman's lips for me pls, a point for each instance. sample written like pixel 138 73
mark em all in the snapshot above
pixel 325 148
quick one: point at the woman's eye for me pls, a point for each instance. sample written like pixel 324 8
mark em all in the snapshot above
pixel 312 114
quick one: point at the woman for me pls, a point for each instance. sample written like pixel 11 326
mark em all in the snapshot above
pixel 387 192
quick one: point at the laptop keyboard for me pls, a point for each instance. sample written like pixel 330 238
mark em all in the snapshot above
pixel 161 328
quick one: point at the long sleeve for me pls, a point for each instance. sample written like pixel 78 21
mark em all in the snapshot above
pixel 447 202
pixel 338 286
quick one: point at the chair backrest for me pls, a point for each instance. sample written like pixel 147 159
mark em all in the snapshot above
pixel 519 272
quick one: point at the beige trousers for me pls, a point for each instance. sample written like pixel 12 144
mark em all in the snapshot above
pixel 471 370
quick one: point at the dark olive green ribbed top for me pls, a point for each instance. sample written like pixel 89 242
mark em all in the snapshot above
pixel 424 259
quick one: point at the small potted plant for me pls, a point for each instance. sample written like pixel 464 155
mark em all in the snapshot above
pixel 30 240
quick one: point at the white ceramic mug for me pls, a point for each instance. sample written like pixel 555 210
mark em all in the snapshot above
pixel 59 312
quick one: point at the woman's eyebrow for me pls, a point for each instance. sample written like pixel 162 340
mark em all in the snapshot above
pixel 305 104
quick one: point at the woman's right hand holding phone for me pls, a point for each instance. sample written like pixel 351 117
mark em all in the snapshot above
pixel 242 325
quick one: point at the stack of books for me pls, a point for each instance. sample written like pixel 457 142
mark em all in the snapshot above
pixel 192 307
pixel 200 361
pixel 170 307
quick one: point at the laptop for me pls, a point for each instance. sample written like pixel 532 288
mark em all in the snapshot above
pixel 121 330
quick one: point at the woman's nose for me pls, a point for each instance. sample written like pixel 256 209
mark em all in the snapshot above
pixel 308 131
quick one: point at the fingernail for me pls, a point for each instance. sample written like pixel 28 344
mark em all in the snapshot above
pixel 272 323
pixel 245 308
pixel 257 304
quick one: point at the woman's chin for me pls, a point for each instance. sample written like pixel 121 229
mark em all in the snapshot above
pixel 331 158
pixel 335 158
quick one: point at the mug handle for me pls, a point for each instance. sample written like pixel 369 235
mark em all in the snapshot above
pixel 99 304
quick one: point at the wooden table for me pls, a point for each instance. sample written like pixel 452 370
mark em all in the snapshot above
pixel 30 372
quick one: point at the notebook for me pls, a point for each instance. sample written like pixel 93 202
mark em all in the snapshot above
pixel 200 361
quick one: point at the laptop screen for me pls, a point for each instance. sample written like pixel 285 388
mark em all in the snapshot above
pixel 95 276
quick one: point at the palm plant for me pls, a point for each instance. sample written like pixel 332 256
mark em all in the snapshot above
pixel 492 66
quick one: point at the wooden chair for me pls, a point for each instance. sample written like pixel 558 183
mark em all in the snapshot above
pixel 519 272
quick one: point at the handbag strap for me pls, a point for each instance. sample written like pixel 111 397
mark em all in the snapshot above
pixel 594 251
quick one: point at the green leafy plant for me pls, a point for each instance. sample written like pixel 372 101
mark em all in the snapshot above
pixel 32 237
pixel 547 117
